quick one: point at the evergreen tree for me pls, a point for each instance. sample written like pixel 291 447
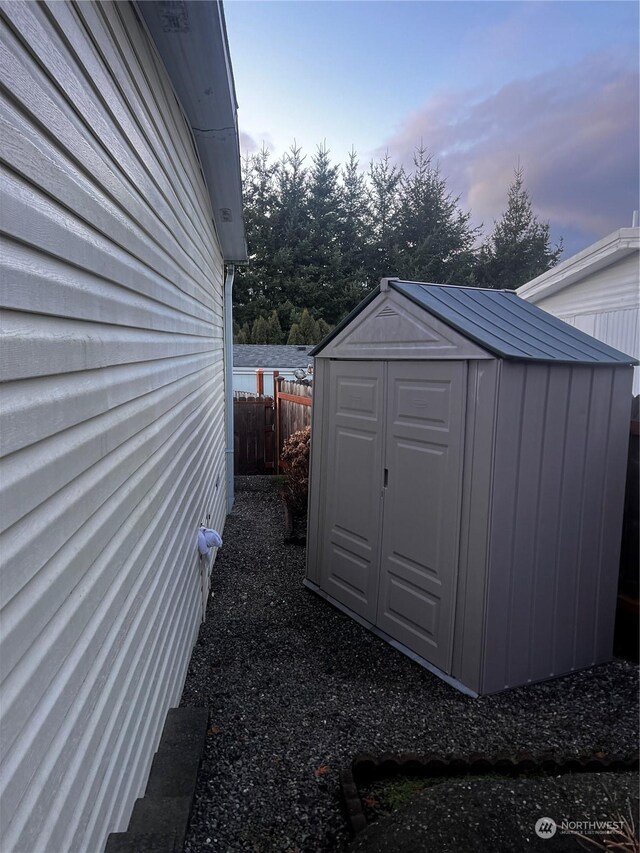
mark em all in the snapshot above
pixel 434 239
pixel 237 334
pixel 323 284
pixel 291 227
pixel 323 329
pixel 274 329
pixel 252 287
pixel 259 331
pixel 295 315
pixel 384 183
pixel 320 237
pixel 284 310
pixel 295 338
pixel 355 236
pixel 308 329
pixel 519 248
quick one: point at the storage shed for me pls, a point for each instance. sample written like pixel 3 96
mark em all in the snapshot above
pixel 467 482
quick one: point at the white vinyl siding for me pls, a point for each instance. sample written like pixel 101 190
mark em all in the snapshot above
pixel 605 304
pixel 244 378
pixel 619 329
pixel 112 416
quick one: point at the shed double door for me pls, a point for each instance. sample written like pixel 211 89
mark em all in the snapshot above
pixel 394 486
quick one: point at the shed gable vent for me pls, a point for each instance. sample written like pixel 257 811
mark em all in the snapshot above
pixel 392 326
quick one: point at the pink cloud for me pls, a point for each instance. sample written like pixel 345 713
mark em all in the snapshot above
pixel 573 130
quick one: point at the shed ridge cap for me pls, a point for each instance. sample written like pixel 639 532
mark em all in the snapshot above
pixel 470 287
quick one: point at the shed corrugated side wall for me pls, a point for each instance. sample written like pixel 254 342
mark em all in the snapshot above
pixel 320 432
pixel 112 416
pixel 558 490
pixel 480 418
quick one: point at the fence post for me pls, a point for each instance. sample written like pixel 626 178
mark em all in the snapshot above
pixel 276 412
pixel 260 382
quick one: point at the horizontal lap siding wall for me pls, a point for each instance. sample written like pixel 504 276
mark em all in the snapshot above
pixel 112 416
pixel 619 329
pixel 604 305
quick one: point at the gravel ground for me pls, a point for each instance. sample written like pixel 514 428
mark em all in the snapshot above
pixel 294 687
pixel 500 816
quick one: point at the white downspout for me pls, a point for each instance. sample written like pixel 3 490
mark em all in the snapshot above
pixel 228 380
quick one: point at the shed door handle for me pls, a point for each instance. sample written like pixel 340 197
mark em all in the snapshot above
pixel 386 477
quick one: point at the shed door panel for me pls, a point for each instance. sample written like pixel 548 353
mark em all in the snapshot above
pixel 424 446
pixel 354 483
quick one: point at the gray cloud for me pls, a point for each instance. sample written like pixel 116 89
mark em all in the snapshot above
pixel 574 131
pixel 249 145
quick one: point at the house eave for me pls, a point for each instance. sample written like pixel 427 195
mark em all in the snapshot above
pixel 611 249
pixel 190 37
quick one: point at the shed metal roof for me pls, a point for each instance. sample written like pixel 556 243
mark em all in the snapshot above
pixel 270 356
pixel 502 323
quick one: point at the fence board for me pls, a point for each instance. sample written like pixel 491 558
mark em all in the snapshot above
pixel 263 424
pixel 293 410
pixel 253 434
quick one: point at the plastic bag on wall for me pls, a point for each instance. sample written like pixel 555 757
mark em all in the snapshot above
pixel 208 539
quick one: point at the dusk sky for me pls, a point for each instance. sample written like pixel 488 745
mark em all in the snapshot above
pixel 484 85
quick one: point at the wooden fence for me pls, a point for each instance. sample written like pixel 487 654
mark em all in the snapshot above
pixel 253 434
pixel 293 410
pixel 262 424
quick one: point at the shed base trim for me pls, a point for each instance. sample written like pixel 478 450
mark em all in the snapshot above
pixel 423 662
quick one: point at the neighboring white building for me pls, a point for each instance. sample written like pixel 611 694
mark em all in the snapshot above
pixel 598 291
pixel 121 203
pixel 249 358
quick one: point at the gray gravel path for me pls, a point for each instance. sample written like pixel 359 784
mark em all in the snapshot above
pixel 500 816
pixel 293 687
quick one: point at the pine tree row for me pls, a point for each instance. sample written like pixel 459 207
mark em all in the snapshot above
pixel 320 236
pixel 303 329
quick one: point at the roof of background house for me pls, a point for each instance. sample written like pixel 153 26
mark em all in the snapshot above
pixel 611 249
pixel 500 322
pixel 191 38
pixel 270 356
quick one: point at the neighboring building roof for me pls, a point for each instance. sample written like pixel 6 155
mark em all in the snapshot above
pixel 604 253
pixel 500 322
pixel 191 39
pixel 270 356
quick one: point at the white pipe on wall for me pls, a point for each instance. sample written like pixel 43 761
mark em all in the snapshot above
pixel 228 380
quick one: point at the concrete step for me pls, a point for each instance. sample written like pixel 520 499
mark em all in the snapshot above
pixel 159 820
pixel 127 842
pixel 172 775
pixel 161 816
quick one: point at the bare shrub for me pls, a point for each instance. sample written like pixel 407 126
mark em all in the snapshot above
pixel 296 455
